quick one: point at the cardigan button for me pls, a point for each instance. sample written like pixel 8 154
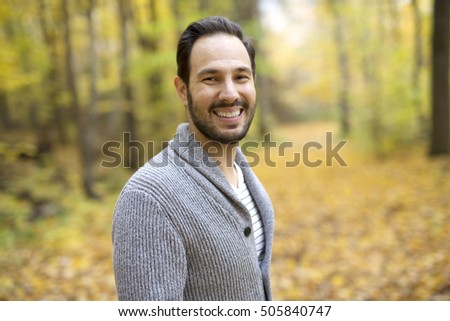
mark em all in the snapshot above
pixel 247 231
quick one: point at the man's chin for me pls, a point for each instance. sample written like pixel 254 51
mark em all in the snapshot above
pixel 222 134
pixel 232 136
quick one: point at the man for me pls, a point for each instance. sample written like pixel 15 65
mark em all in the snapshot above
pixel 195 223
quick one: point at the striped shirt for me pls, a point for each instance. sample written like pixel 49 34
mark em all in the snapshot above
pixel 246 199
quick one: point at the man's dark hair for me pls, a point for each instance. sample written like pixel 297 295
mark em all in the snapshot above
pixel 204 27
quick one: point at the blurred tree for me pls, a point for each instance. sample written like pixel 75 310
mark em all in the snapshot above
pixel 130 155
pixel 51 35
pixel 13 77
pixel 418 65
pixel 90 116
pixel 370 61
pixel 151 43
pixel 5 119
pixel 343 66
pixel 440 121
pixel 394 19
pixel 155 32
pixel 245 11
pixel 82 130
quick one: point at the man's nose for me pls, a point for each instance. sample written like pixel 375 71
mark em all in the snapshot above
pixel 229 92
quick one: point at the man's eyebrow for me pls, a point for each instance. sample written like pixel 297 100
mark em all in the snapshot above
pixel 207 71
pixel 213 71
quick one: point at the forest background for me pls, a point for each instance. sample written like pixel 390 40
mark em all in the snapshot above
pixel 75 75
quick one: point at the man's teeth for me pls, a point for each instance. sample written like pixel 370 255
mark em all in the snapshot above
pixel 228 115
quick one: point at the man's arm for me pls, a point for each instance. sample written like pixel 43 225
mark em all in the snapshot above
pixel 149 257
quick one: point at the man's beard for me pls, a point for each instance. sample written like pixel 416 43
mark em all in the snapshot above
pixel 209 130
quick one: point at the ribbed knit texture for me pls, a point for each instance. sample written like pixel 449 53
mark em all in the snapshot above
pixel 179 230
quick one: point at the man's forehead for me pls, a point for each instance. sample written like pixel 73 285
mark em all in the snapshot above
pixel 219 47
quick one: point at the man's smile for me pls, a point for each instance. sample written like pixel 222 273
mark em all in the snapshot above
pixel 229 112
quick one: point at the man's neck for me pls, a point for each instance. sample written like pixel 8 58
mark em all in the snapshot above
pixel 223 154
pixel 225 159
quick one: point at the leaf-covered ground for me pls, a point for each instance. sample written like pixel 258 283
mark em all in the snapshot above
pixel 373 230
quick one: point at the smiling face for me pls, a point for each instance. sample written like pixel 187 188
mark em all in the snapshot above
pixel 221 96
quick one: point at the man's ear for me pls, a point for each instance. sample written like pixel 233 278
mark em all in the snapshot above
pixel 181 89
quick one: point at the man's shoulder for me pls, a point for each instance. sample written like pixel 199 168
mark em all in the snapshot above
pixel 162 171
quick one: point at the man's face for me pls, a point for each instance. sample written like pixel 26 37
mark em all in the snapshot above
pixel 221 97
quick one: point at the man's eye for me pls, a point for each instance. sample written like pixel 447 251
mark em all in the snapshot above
pixel 242 77
pixel 210 79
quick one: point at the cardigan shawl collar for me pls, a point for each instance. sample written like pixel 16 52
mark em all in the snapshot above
pixel 181 233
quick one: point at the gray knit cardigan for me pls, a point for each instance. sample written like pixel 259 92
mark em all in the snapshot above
pixel 181 233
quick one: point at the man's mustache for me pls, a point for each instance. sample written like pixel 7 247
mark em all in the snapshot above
pixel 224 104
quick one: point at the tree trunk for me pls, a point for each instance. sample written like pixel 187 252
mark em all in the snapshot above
pixel 150 42
pixel 89 134
pixel 370 61
pixel 417 66
pixel 84 151
pixel 264 104
pixel 344 71
pixel 131 156
pixel 175 7
pixel 5 119
pixel 440 126
pixel 153 45
pixel 52 83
